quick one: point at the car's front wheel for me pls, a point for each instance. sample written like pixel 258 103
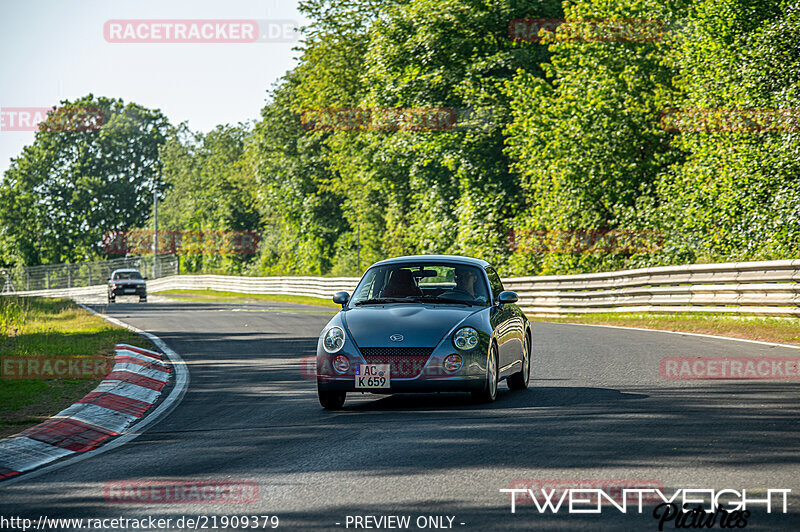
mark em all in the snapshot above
pixel 519 381
pixel 489 392
pixel 331 400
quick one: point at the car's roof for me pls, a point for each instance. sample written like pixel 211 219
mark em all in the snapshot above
pixel 435 258
pixel 126 270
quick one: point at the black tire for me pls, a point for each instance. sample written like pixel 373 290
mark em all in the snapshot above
pixel 142 300
pixel 519 381
pixel 111 300
pixel 489 392
pixel 331 400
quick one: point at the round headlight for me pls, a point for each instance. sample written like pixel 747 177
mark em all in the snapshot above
pixel 465 339
pixel 333 340
pixel 341 364
pixel 452 363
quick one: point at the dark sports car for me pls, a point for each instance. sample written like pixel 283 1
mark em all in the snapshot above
pixel 427 323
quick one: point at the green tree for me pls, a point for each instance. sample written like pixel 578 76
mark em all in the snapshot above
pixel 587 142
pixel 301 218
pixel 299 200
pixel 210 187
pixel 736 195
pixel 71 187
pixel 436 191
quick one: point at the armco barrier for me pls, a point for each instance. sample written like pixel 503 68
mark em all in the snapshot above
pixel 768 288
pixel 96 290
pixel 322 287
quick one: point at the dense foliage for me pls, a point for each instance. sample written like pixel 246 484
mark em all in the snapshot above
pixel 76 182
pixel 209 188
pixel 639 132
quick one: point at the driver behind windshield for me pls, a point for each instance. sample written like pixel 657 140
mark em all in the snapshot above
pixel 468 284
pixel 465 281
pixel 127 276
pixel 437 282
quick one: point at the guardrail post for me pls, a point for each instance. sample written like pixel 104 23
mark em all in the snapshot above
pixel 27 280
pixel 69 277
pixel 47 278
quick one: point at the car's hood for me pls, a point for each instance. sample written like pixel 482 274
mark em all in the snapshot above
pixel 422 325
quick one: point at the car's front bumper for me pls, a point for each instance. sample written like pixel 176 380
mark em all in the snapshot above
pixel 440 384
pixel 430 377
pixel 122 290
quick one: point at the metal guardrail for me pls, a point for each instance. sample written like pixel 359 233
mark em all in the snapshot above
pixel 767 288
pixel 82 274
pixel 322 287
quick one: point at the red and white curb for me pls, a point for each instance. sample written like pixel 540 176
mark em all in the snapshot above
pixel 130 390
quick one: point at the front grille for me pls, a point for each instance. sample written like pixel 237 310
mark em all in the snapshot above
pixel 406 362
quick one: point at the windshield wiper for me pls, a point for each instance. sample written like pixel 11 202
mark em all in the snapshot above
pixel 436 299
pixel 380 300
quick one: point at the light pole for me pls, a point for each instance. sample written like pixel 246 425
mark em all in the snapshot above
pixel 155 227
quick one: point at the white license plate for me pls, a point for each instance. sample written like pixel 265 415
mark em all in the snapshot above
pixel 129 291
pixel 372 376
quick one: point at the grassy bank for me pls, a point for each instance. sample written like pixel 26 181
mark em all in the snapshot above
pixel 766 329
pixel 221 296
pixel 37 327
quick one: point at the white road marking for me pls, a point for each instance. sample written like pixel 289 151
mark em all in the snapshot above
pixel 701 335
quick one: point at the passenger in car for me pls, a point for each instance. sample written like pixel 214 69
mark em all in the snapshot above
pixel 401 284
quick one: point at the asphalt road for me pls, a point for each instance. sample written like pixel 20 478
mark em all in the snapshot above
pixel 597 409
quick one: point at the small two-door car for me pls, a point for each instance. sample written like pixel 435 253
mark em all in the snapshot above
pixel 424 323
pixel 127 282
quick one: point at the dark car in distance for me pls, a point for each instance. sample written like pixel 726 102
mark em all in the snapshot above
pixel 127 282
pixel 424 323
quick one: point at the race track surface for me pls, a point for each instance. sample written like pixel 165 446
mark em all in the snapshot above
pixel 597 409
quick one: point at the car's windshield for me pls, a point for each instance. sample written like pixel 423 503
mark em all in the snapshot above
pixel 455 284
pixel 126 276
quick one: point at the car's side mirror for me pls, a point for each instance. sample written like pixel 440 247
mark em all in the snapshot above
pixel 144 278
pixel 341 298
pixel 507 296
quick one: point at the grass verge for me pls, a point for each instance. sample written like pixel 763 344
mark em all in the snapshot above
pixel 38 327
pixel 763 328
pixel 221 296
